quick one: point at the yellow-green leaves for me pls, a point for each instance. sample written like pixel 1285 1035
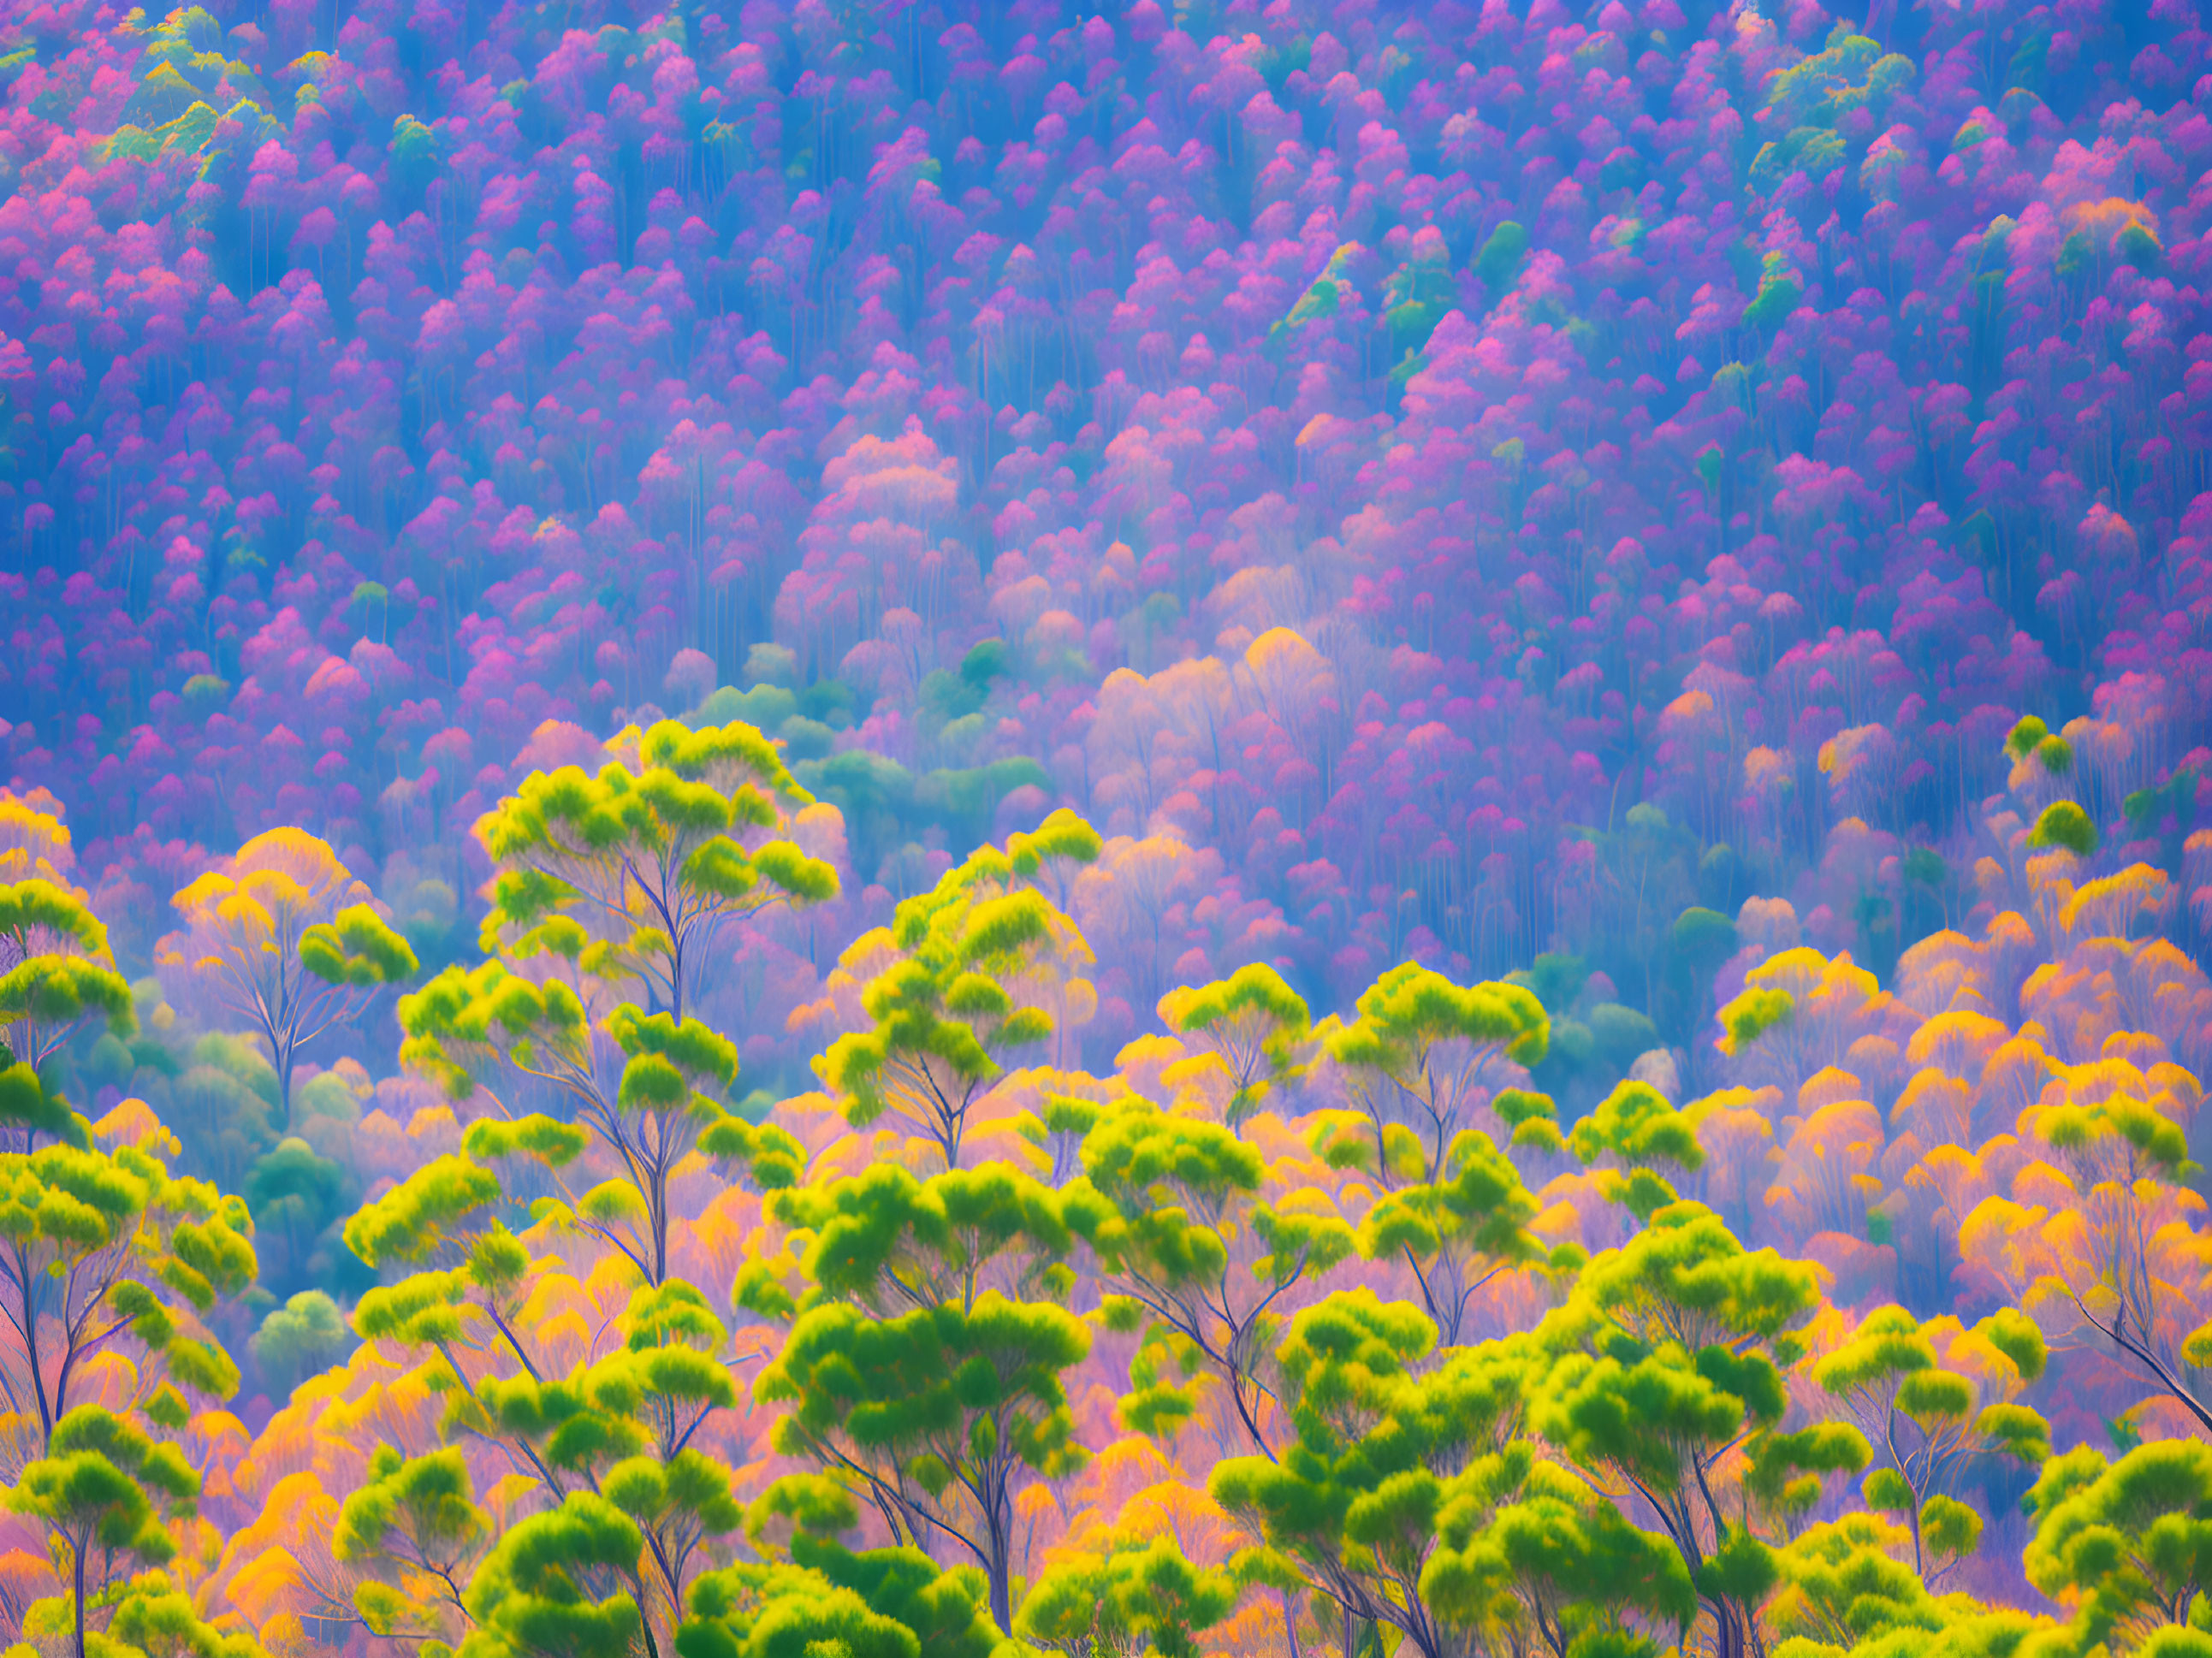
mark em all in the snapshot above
pixel 944 1412
pixel 1896 1377
pixel 1411 1012
pixel 1521 1540
pixel 2130 1542
pixel 355 947
pixel 974 954
pixel 1750 1016
pixel 419 1217
pixel 26 1103
pixel 467 1025
pixel 1252 1023
pixel 55 970
pixel 2030 739
pixel 104 1484
pixel 650 857
pixel 2063 824
pixel 1468 1223
pixel 1136 1598
pixel 889 1244
pixel 113 1230
pixel 1171 1204
pixel 1635 1124
pixel 539 1594
pixel 282 938
pixel 416 1516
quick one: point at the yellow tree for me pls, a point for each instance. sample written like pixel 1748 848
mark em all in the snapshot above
pixel 282 937
pixel 56 968
pixel 2100 1239
pixel 33 839
pixel 1801 1012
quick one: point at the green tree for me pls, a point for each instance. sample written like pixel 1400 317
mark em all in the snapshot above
pixel 1928 1421
pixel 564 1583
pixel 948 1008
pixel 1528 1556
pixel 416 1520
pixel 1459 1230
pixel 1422 1058
pixel 55 972
pixel 1423 1055
pixel 100 1247
pixel 1252 1024
pixel 2063 824
pixel 1192 1253
pixel 1633 1129
pixel 2130 1540
pixel 634 872
pixel 1667 1359
pixel 105 1491
pixel 467 1028
pixel 1842 1584
pixel 304 1337
pixel 937 1415
pixel 1135 1599
pixel 889 1244
pixel 295 1191
pixel 1353 1507
pixel 878 1603
pixel 619 1427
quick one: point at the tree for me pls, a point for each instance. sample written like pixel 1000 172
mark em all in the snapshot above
pixel 1172 1207
pixel 1352 1506
pixel 878 1603
pixel 946 1007
pixel 295 1192
pixel 2119 1270
pixel 1633 1128
pixel 1843 1584
pixel 493 1029
pixel 1422 1055
pixel 562 1584
pixel 303 1338
pixel 937 1415
pixel 1527 1554
pixel 618 1427
pixel 284 938
pixel 889 1244
pixel 2063 824
pixel 105 1484
pixel 633 873
pixel 1418 1062
pixel 417 1519
pixel 55 972
pixel 101 1248
pixel 1251 1025
pixel 1133 1600
pixel 1666 1362
pixel 1459 1230
pixel 1929 1420
pixel 2129 1543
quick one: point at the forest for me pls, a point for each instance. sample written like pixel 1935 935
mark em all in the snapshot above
pixel 1192 829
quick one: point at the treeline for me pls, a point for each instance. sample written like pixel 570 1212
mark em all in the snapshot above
pixel 1277 1334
